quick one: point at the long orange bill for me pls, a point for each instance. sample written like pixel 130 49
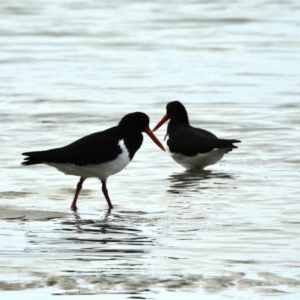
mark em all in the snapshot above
pixel 164 119
pixel 154 138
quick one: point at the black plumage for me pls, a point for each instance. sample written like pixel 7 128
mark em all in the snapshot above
pixel 186 142
pixel 95 148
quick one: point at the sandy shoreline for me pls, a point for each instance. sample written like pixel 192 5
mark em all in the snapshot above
pixel 43 275
pixel 14 213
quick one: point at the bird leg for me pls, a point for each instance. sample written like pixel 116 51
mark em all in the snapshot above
pixel 78 188
pixel 105 193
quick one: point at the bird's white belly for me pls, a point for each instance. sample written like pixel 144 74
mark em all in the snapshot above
pixel 199 161
pixel 102 170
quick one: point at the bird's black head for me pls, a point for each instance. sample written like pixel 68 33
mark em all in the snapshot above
pixel 177 112
pixel 136 121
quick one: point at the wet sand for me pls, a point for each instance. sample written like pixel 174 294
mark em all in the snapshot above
pixel 13 213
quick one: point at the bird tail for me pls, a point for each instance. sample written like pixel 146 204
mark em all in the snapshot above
pixel 33 158
pixel 36 157
pixel 232 143
pixel 224 144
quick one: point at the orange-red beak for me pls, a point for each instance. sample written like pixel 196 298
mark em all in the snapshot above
pixel 154 138
pixel 164 119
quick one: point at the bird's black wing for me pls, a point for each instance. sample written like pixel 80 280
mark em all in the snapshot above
pixel 96 148
pixel 204 133
pixel 190 142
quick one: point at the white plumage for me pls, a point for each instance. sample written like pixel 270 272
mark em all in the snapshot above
pixel 102 171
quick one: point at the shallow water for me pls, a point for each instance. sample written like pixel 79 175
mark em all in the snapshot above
pixel 73 68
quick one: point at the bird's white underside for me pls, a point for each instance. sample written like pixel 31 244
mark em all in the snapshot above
pixel 102 171
pixel 199 161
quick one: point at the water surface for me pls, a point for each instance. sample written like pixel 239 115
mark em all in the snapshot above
pixel 69 69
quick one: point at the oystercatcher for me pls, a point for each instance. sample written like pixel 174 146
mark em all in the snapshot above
pixel 100 154
pixel 191 147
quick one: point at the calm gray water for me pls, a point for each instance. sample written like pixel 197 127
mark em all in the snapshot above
pixel 70 68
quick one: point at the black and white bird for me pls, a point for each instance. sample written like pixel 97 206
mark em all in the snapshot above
pixel 191 147
pixel 100 154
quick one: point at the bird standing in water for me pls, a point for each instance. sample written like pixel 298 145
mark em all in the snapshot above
pixel 100 154
pixel 191 147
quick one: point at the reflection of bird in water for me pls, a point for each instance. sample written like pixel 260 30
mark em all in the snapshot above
pixel 106 238
pixel 196 181
pixel 114 230
pixel 122 222
pixel 94 225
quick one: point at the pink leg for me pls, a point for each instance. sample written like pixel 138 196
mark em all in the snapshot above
pixel 78 188
pixel 105 193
